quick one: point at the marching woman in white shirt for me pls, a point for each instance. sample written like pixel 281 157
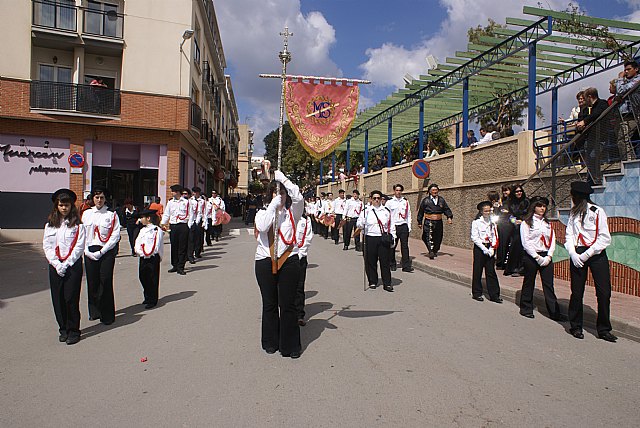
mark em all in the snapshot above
pixel 539 242
pixel 102 230
pixel 149 247
pixel 484 235
pixel 376 222
pixel 280 329
pixel 304 235
pixel 587 238
pixel 63 245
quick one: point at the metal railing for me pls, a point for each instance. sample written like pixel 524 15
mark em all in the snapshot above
pixel 196 115
pixel 588 153
pixel 205 130
pixel 103 23
pixel 56 15
pixel 74 97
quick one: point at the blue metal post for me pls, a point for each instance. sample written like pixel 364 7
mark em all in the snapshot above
pixel 333 167
pixel 366 151
pixel 389 138
pixel 348 164
pixel 421 132
pixel 457 135
pixel 321 173
pixel 426 138
pixel 554 120
pixel 532 87
pixel 465 111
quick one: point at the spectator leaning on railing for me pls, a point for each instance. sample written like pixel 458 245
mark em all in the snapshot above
pixel 629 123
pixel 593 146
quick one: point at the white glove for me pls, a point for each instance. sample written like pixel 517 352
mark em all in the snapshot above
pixel 94 256
pixel 540 260
pixel 61 269
pixel 584 257
pixel 576 260
pixel 276 202
pixel 491 252
pixel 279 176
pixel 545 261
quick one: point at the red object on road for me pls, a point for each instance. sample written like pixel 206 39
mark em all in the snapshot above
pixel 143 359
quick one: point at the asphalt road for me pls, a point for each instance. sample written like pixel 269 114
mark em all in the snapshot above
pixel 425 355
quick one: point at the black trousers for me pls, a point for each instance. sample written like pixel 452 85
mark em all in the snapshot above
pixel 432 235
pixel 505 229
pixel 195 241
pixel 335 231
pixel 209 232
pixel 347 231
pixel 65 296
pixel 280 328
pixel 402 236
pixel 483 262
pixel 514 256
pixel 100 285
pixel 300 290
pixel 149 275
pixel 531 269
pixel 376 253
pixel 599 266
pixel 132 232
pixel 323 230
pixel 314 224
pixel 179 237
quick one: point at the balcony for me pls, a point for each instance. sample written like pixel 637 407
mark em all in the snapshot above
pixel 107 23
pixel 196 116
pixel 59 16
pixel 72 97
pixel 205 130
pixel 207 80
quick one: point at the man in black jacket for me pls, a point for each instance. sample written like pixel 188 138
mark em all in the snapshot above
pixel 595 136
pixel 432 208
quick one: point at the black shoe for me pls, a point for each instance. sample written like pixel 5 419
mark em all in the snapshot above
pixel 507 273
pixel 516 274
pixel 345 248
pixel 431 255
pixel 435 254
pixel 302 322
pixel 217 238
pixel 198 256
pixel 133 253
pixel 374 286
pixel 192 261
pixel 607 336
pixel 295 354
pixel 173 269
pixel 560 318
pixel 271 350
pixel 181 272
pixel 478 298
pixel 528 315
pixel 388 288
pixel 63 337
pixel 497 300
pixel 336 242
pixel 393 268
pixel 577 333
pixel 150 305
pixel 72 340
pixel 93 318
pixel 107 322
pixel 409 269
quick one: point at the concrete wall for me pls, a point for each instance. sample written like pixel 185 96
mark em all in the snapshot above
pixel 16 45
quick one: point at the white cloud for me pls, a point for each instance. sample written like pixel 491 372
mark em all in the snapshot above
pixel 250 37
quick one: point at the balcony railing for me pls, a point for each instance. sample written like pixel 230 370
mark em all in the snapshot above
pixel 196 115
pixel 205 130
pixel 207 79
pixel 55 15
pixel 74 97
pixel 103 23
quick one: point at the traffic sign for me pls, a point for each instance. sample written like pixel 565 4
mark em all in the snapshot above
pixel 76 160
pixel 421 169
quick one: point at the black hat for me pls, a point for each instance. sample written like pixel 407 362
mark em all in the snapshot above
pixel 68 192
pixel 196 189
pixel 101 189
pixel 539 200
pixel 581 187
pixel 146 213
pixel 186 189
pixel 431 186
pixel 484 204
pixel 176 188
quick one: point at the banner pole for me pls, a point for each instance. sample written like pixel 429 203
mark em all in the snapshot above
pixel 285 57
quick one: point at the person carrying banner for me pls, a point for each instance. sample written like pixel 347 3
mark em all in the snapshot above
pixel 280 329
pixel 149 247
pixel 432 208
pixel 401 214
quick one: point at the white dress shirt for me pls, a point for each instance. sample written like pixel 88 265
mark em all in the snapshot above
pixel 484 232
pixel 327 207
pixel 304 235
pixel 338 205
pixel 69 242
pixel 594 233
pixel 538 238
pixel 353 208
pixel 287 221
pixel 369 223
pixel 400 211
pixel 178 211
pixel 100 225
pixel 151 237
pixel 197 207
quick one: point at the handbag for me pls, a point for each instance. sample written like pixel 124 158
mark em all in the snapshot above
pixel 386 238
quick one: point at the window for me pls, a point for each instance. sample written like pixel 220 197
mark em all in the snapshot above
pixel 54 73
pixel 196 50
pixel 102 19
pixel 109 81
pixel 60 14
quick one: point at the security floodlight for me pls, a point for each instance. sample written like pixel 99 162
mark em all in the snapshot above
pixel 408 79
pixel 432 61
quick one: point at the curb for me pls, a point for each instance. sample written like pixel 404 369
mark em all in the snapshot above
pixel 622 328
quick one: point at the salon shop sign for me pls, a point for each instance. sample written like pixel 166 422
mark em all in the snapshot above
pixel 26 165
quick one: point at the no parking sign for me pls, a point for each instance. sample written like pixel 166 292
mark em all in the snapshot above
pixel 421 169
pixel 76 162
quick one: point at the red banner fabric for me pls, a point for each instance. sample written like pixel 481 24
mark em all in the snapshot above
pixel 321 115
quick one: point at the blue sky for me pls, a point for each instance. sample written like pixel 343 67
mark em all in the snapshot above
pixel 373 39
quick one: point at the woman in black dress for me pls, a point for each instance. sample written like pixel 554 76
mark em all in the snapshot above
pixel 518 205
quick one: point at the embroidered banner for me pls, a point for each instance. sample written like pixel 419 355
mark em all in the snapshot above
pixel 320 115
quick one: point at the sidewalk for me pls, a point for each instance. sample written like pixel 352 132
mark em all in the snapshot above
pixel 455 264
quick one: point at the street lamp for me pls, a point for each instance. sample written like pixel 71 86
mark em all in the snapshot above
pixel 186 36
